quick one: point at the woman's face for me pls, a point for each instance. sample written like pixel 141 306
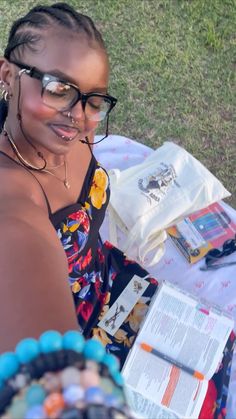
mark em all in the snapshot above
pixel 73 60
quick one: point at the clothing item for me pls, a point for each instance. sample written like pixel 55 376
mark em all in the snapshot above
pixel 98 273
pixel 78 227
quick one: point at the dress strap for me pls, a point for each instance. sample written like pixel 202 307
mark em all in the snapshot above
pixel 42 189
pixel 89 145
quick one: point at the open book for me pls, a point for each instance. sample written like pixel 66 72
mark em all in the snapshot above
pixel 188 337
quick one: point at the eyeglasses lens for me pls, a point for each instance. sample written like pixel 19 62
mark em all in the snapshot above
pixel 229 246
pixel 62 97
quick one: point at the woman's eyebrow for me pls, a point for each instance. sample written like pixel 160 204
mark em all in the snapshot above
pixel 66 78
pixel 60 75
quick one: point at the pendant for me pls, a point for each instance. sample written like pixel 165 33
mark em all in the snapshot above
pixel 66 184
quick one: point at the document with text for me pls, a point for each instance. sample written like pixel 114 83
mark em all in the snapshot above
pixel 178 348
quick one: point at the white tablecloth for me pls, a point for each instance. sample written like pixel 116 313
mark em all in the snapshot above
pixel 216 286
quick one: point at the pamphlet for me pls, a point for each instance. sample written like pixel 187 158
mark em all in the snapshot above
pixel 186 337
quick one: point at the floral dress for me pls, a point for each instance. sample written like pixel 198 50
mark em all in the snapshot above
pixel 99 272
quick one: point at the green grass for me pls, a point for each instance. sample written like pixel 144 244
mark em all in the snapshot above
pixel 173 70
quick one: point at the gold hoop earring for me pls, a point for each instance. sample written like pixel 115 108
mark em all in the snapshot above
pixel 5 95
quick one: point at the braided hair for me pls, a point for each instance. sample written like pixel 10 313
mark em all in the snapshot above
pixel 26 32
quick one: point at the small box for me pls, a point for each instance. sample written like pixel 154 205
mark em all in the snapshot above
pixel 201 231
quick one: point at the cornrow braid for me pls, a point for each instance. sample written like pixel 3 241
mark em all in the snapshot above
pixel 25 31
pixel 89 26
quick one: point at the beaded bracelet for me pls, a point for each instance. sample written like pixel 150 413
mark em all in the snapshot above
pixel 61 376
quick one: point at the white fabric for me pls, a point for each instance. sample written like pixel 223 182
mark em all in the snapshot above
pixel 216 286
pixel 149 197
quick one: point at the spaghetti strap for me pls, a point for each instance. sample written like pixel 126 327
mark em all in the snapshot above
pixel 42 189
pixel 89 146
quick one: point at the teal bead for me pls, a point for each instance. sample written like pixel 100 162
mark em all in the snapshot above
pixel 50 341
pixel 93 349
pixel 117 377
pixel 107 385
pixel 73 340
pixel 111 362
pixel 18 409
pixel 35 395
pixel 9 365
pixel 119 393
pixel 27 350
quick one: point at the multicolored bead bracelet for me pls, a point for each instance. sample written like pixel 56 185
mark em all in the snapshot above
pixel 61 377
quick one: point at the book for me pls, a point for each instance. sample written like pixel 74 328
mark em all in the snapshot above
pixel 202 231
pixel 189 336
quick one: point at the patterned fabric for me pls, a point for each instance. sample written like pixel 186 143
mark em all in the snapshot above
pixel 98 273
pixel 77 227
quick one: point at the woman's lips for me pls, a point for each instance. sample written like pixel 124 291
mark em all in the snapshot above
pixel 64 131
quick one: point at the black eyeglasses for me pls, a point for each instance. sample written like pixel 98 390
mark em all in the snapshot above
pixel 62 95
pixel 229 247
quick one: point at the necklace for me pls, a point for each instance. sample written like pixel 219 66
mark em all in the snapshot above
pixel 65 180
pixel 55 167
pixel 30 166
pixel 20 157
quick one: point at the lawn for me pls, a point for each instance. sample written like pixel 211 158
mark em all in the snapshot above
pixel 173 68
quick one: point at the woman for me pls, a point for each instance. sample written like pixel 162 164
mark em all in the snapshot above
pixel 53 193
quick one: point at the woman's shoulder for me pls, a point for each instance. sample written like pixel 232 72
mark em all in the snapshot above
pixel 24 214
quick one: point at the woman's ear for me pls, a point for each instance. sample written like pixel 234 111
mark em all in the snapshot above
pixel 7 75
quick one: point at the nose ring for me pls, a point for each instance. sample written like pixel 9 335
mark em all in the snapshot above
pixel 71 118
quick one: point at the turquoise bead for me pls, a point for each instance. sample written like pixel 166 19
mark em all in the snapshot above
pixel 27 350
pixel 117 377
pixel 50 341
pixel 35 395
pixel 119 394
pixel 107 385
pixel 93 349
pixel 9 365
pixel 111 362
pixel 73 340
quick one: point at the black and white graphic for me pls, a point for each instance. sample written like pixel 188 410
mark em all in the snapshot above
pixel 155 185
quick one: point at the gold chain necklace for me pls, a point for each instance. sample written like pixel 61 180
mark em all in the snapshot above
pixel 30 166
pixel 65 180
pixel 55 167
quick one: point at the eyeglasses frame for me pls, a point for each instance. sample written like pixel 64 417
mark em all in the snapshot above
pixel 40 75
pixel 213 255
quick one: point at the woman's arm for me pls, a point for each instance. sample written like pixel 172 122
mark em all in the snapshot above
pixel 34 291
